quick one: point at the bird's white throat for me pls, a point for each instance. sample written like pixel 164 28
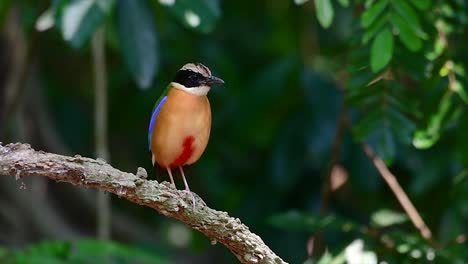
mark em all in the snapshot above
pixel 198 91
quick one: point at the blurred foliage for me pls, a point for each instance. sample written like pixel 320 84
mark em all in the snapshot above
pixel 80 251
pixel 393 72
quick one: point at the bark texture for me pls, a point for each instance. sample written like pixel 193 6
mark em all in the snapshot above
pixel 20 160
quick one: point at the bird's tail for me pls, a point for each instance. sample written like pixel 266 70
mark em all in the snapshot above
pixel 158 171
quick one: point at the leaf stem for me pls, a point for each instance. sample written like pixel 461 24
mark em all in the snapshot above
pixel 400 194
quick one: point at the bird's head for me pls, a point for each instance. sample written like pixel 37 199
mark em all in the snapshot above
pixel 195 78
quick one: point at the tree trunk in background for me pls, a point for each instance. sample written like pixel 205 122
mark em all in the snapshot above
pixel 102 151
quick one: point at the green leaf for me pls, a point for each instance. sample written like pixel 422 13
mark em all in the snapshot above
pixel 381 50
pixel 374 28
pixel 367 124
pixel 440 46
pixel 300 2
pixel 462 145
pixel 325 12
pixel 402 103
pixel 436 120
pixel 84 251
pixel 411 17
pixel 4 8
pixel 385 143
pixel 199 15
pixel 458 89
pixel 459 69
pixel 423 140
pixel 328 258
pixel 386 217
pixel 138 40
pixel 402 127
pixel 3 253
pixel 344 3
pixel 46 20
pixel 426 138
pixel 370 15
pixel 294 220
pixel 363 96
pixel 89 249
pixel 421 4
pixel 368 3
pixel 81 18
pixel 406 34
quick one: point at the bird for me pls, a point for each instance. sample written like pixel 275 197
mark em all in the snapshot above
pixel 180 123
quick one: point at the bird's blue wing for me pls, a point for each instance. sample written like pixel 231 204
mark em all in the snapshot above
pixel 156 109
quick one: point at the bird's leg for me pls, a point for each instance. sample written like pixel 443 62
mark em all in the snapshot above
pixel 170 176
pixel 187 189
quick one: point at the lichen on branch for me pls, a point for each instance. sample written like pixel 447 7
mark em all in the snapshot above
pixel 20 160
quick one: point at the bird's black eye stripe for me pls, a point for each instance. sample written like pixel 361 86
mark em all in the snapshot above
pixel 189 78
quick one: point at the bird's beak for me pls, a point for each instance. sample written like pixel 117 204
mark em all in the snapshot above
pixel 213 80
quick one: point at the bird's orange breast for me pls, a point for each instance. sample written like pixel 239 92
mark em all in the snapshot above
pixel 181 130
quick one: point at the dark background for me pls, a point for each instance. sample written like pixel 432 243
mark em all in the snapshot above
pixel 288 124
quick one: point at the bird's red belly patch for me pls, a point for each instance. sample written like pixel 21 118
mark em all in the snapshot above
pixel 187 151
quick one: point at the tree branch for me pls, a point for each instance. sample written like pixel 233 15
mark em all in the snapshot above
pixel 400 194
pixel 21 160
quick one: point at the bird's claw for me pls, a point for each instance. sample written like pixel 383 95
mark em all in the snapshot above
pixel 193 197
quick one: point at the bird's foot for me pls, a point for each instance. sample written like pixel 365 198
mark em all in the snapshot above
pixel 193 197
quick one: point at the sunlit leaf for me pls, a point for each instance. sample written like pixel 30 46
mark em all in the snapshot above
pixel 81 18
pixel 381 50
pixel 328 258
pixel 199 15
pixel 440 46
pixel 385 217
pixel 138 40
pixel 447 10
pixel 356 253
pixel 444 71
pixel 436 120
pixel 368 3
pixel 325 12
pixel 426 138
pixel 423 140
pixel 344 3
pixel 300 2
pixel 370 15
pixel 46 20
